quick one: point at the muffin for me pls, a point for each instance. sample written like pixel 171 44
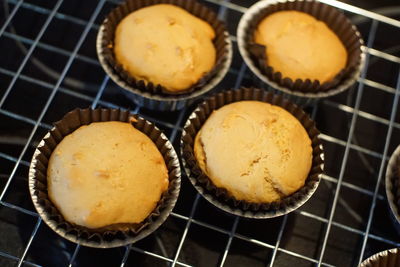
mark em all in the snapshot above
pixel 398 170
pixel 306 49
pixel 392 186
pixel 257 151
pixel 106 173
pixel 178 52
pixel 104 178
pixel 166 45
pixel 300 46
pixel 386 258
pixel 252 153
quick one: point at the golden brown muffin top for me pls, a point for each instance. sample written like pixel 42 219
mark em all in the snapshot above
pixel 106 173
pixel 164 44
pixel 300 46
pixel 258 152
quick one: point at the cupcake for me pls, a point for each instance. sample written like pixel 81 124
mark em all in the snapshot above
pixel 103 178
pixel 252 153
pixel 387 258
pixel 99 168
pixel 392 184
pixel 175 48
pixel 166 54
pixel 256 151
pixel 300 47
pixel 304 48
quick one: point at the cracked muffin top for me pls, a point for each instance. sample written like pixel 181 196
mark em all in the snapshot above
pixel 106 173
pixel 164 44
pixel 257 151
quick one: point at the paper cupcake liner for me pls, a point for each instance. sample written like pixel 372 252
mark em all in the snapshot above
pixel 254 54
pixel 220 197
pixel 387 258
pixel 155 96
pixel 114 235
pixel 392 185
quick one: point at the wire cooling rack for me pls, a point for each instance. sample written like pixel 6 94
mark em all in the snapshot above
pixel 48 66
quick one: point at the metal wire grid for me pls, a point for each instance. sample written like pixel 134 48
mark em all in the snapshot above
pixel 175 129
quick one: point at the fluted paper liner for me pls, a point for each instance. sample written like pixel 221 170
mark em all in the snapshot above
pixel 155 96
pixel 392 184
pixel 219 196
pixel 254 54
pixel 387 258
pixel 114 235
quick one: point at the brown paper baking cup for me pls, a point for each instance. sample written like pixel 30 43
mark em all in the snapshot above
pixel 115 235
pixel 392 185
pixel 387 258
pixel 155 96
pixel 254 54
pixel 220 197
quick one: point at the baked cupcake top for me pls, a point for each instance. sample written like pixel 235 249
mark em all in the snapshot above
pixel 106 173
pixel 166 45
pixel 257 151
pixel 300 46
